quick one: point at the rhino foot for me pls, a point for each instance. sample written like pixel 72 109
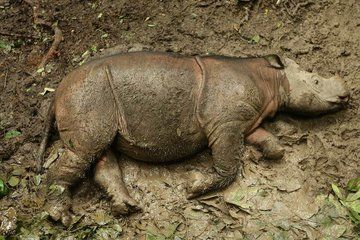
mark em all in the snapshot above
pixel 125 206
pixel 273 150
pixel 59 209
pixel 267 143
pixel 200 183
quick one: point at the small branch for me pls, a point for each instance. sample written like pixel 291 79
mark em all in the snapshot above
pixel 58 36
pixel 301 4
pixel 18 35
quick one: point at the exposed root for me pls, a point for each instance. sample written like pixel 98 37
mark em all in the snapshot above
pixel 247 13
pixel 18 35
pixel 58 36
pixel 292 7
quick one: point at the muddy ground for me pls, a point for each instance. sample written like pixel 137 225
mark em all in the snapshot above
pixel 288 199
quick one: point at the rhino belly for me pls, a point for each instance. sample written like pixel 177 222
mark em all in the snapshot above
pixel 167 147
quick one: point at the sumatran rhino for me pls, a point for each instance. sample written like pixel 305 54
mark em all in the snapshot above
pixel 161 107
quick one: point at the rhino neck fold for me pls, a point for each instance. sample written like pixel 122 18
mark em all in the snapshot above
pixel 275 88
pixel 200 88
pixel 284 91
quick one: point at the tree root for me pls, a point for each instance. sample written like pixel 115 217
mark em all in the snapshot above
pixel 18 35
pixel 291 7
pixel 58 36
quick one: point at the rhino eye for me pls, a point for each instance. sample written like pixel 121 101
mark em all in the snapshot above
pixel 316 81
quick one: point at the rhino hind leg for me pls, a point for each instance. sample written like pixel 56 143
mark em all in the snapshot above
pixel 267 143
pixel 68 170
pixel 108 175
pixel 82 149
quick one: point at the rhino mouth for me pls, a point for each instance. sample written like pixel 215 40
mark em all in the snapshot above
pixel 340 102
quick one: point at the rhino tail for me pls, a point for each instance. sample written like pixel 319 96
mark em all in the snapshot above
pixel 50 118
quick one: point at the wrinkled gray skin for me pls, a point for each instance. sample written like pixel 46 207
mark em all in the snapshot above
pixel 161 107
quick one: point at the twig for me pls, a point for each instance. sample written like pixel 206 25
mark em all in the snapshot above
pixel 17 35
pixel 58 36
pixel 247 13
pixel 246 17
pixel 291 7
pixel 5 81
pixel 301 4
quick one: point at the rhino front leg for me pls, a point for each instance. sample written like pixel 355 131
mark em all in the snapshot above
pixel 267 143
pixel 227 146
pixel 108 175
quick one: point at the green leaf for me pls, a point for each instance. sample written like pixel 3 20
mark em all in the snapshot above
pixel 105 35
pixel 3 189
pixel 37 180
pixel 354 185
pixel 6 46
pixel 150 236
pixel 12 134
pixel 337 191
pixel 255 39
pixel 353 196
pixel 354 216
pixel 56 190
pixel 18 172
pixel 354 206
pixel 13 181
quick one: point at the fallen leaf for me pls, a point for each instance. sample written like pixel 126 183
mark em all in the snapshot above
pixel 288 185
pixel 8 222
pixel 56 189
pixel 51 159
pixel 354 206
pixel 105 35
pixel 46 90
pixel 353 196
pixel 3 189
pixel 337 191
pixel 101 217
pixel 6 46
pixel 18 172
pixel 13 181
pixel 335 231
pixel 355 217
pixel 354 185
pixel 12 134
pixel 37 180
pixel 255 39
pixel 40 70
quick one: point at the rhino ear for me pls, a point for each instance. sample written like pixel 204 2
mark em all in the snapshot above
pixel 274 61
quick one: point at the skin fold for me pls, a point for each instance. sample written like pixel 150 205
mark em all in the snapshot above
pixel 162 107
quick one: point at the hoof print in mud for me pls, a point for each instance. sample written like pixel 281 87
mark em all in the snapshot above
pixel 162 107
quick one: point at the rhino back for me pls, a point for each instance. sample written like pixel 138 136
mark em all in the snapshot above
pixel 157 93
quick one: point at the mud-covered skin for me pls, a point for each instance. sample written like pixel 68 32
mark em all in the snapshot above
pixel 162 107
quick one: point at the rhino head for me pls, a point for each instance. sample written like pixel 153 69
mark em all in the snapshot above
pixel 311 94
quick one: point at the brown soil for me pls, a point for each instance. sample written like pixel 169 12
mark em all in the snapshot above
pixel 269 200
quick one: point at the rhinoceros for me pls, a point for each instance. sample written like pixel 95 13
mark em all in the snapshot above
pixel 161 107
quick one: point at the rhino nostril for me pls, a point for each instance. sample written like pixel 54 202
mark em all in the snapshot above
pixel 344 98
